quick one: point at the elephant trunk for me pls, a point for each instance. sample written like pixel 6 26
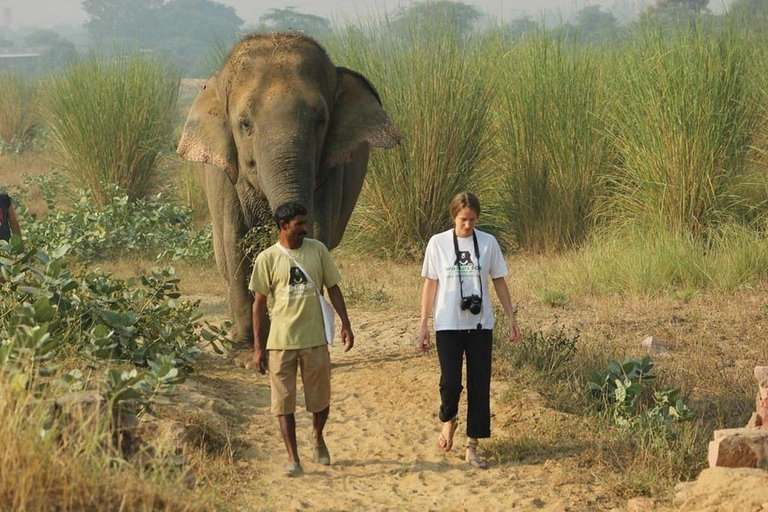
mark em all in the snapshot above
pixel 287 176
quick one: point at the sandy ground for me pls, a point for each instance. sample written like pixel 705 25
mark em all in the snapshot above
pixel 382 435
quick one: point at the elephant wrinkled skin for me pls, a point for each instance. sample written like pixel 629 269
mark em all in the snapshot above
pixel 283 123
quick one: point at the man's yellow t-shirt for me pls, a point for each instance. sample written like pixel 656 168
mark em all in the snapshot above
pixel 297 321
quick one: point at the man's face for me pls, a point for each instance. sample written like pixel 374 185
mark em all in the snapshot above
pixel 296 229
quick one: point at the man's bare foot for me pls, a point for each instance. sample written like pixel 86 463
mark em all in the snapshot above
pixel 445 439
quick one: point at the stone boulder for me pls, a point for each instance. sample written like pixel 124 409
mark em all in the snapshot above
pixel 739 448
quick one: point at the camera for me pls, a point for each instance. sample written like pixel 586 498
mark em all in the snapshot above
pixel 472 303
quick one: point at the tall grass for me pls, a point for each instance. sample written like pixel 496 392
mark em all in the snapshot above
pixel 19 112
pixel 686 117
pixel 188 179
pixel 644 261
pixel 437 92
pixel 109 119
pixel 553 150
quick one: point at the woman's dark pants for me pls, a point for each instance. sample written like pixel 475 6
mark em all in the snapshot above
pixel 451 347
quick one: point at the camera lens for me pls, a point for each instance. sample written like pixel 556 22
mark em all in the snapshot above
pixel 475 304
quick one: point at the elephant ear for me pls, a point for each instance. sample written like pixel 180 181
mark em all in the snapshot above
pixel 357 123
pixel 358 118
pixel 207 137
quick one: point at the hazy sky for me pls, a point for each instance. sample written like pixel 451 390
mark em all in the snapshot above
pixel 47 13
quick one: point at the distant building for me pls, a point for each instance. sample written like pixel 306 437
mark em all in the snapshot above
pixel 22 60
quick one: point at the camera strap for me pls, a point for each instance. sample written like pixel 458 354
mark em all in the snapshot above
pixel 477 262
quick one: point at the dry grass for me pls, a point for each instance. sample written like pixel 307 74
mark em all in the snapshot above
pixel 69 469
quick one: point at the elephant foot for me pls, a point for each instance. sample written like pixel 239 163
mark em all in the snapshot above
pixel 241 355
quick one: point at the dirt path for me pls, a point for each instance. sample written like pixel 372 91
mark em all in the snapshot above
pixel 382 436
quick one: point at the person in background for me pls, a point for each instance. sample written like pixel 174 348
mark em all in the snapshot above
pixel 457 265
pixel 9 224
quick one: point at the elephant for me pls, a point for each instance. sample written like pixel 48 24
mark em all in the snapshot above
pixel 279 122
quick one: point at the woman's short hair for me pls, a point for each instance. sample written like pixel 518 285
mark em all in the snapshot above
pixel 464 200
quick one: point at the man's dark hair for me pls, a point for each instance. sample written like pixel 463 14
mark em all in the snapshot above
pixel 287 211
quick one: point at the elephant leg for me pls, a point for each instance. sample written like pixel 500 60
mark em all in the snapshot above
pixel 229 227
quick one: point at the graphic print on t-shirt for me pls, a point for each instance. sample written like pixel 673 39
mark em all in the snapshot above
pixel 464 258
pixel 297 277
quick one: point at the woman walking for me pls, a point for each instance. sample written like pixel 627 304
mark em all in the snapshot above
pixel 457 265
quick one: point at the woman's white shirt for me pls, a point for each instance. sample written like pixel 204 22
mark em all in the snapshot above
pixel 440 264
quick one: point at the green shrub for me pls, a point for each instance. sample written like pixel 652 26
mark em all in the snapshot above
pixel 19 112
pixel 154 225
pixel 623 390
pixel 437 93
pixel 109 118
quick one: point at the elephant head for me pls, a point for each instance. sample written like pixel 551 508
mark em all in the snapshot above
pixel 286 124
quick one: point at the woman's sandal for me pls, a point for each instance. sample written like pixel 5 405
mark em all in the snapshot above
pixel 472 458
pixel 445 442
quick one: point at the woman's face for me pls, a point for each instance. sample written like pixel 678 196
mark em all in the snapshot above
pixel 464 222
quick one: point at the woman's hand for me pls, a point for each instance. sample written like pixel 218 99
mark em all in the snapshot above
pixel 422 342
pixel 514 330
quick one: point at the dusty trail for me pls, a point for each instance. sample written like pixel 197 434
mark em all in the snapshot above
pixel 382 436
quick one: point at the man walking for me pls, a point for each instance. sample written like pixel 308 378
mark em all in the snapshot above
pixel 293 271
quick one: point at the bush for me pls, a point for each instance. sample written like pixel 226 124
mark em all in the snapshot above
pixel 19 113
pixel 109 120
pixel 153 225
pixel 623 390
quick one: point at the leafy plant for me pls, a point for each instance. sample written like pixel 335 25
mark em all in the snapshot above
pixel 154 225
pixel 47 310
pixel 622 387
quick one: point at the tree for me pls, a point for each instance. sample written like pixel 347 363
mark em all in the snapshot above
pixel 182 30
pixel 197 20
pixel 291 19
pixel 456 16
pixel 675 10
pixel 44 37
pixel 518 27
pixel 56 52
pixel 122 21
pixel 594 24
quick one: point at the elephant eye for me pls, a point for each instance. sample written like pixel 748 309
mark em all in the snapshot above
pixel 321 119
pixel 246 125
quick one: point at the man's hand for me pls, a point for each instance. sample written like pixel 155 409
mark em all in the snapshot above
pixel 422 342
pixel 260 360
pixel 347 337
